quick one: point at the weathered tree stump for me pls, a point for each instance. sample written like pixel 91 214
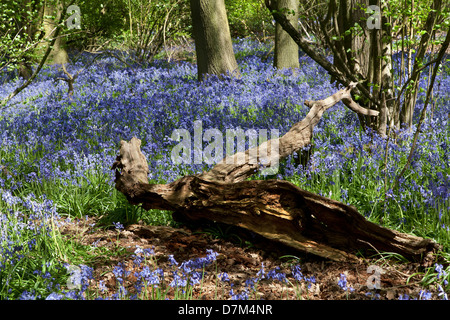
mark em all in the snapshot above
pixel 274 209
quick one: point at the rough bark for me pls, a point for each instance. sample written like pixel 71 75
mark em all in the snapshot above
pixel 212 39
pixel 353 48
pixel 286 50
pixel 274 209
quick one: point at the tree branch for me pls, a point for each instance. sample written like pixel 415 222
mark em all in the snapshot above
pixel 342 78
pixel 277 210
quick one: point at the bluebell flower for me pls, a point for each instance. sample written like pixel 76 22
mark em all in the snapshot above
pixel 28 296
pixel 261 273
pixel 102 287
pixel 239 296
pixel 425 295
pixel 374 296
pixel 250 283
pixel 120 272
pixel 442 293
pixel 195 277
pixel 178 281
pixel 151 277
pixel 172 261
pixel 274 274
pixel 118 226
pixel 297 273
pixel 211 256
pixel 75 279
pixel 149 252
pixel 139 284
pixel 122 291
pixel 54 296
pixel 160 273
pixel 72 295
pixel 343 283
pixel 138 256
pixel 224 277
pixel 441 273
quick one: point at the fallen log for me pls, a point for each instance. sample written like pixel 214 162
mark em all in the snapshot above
pixel 274 209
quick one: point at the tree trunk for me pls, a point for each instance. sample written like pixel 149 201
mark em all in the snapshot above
pixel 352 49
pixel 274 209
pixel 374 79
pixel 212 39
pixel 353 46
pixel 367 53
pixel 386 108
pixel 361 53
pixel 25 70
pixel 52 14
pixel 286 50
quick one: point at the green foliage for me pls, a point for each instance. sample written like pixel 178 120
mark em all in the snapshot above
pixel 411 17
pixel 249 19
pixel 32 258
pixel 101 21
pixel 20 32
pixel 151 25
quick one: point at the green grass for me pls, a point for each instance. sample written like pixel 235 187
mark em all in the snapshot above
pixel 39 251
pixel 93 196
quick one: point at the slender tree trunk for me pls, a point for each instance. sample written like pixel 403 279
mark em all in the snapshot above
pixel 387 83
pixel 212 39
pixel 374 73
pixel 286 50
pixel 25 70
pixel 380 75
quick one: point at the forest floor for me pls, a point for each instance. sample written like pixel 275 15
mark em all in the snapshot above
pixel 242 263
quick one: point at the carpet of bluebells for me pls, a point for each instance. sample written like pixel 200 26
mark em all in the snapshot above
pixel 56 154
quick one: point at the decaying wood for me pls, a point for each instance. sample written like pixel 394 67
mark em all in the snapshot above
pixel 275 209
